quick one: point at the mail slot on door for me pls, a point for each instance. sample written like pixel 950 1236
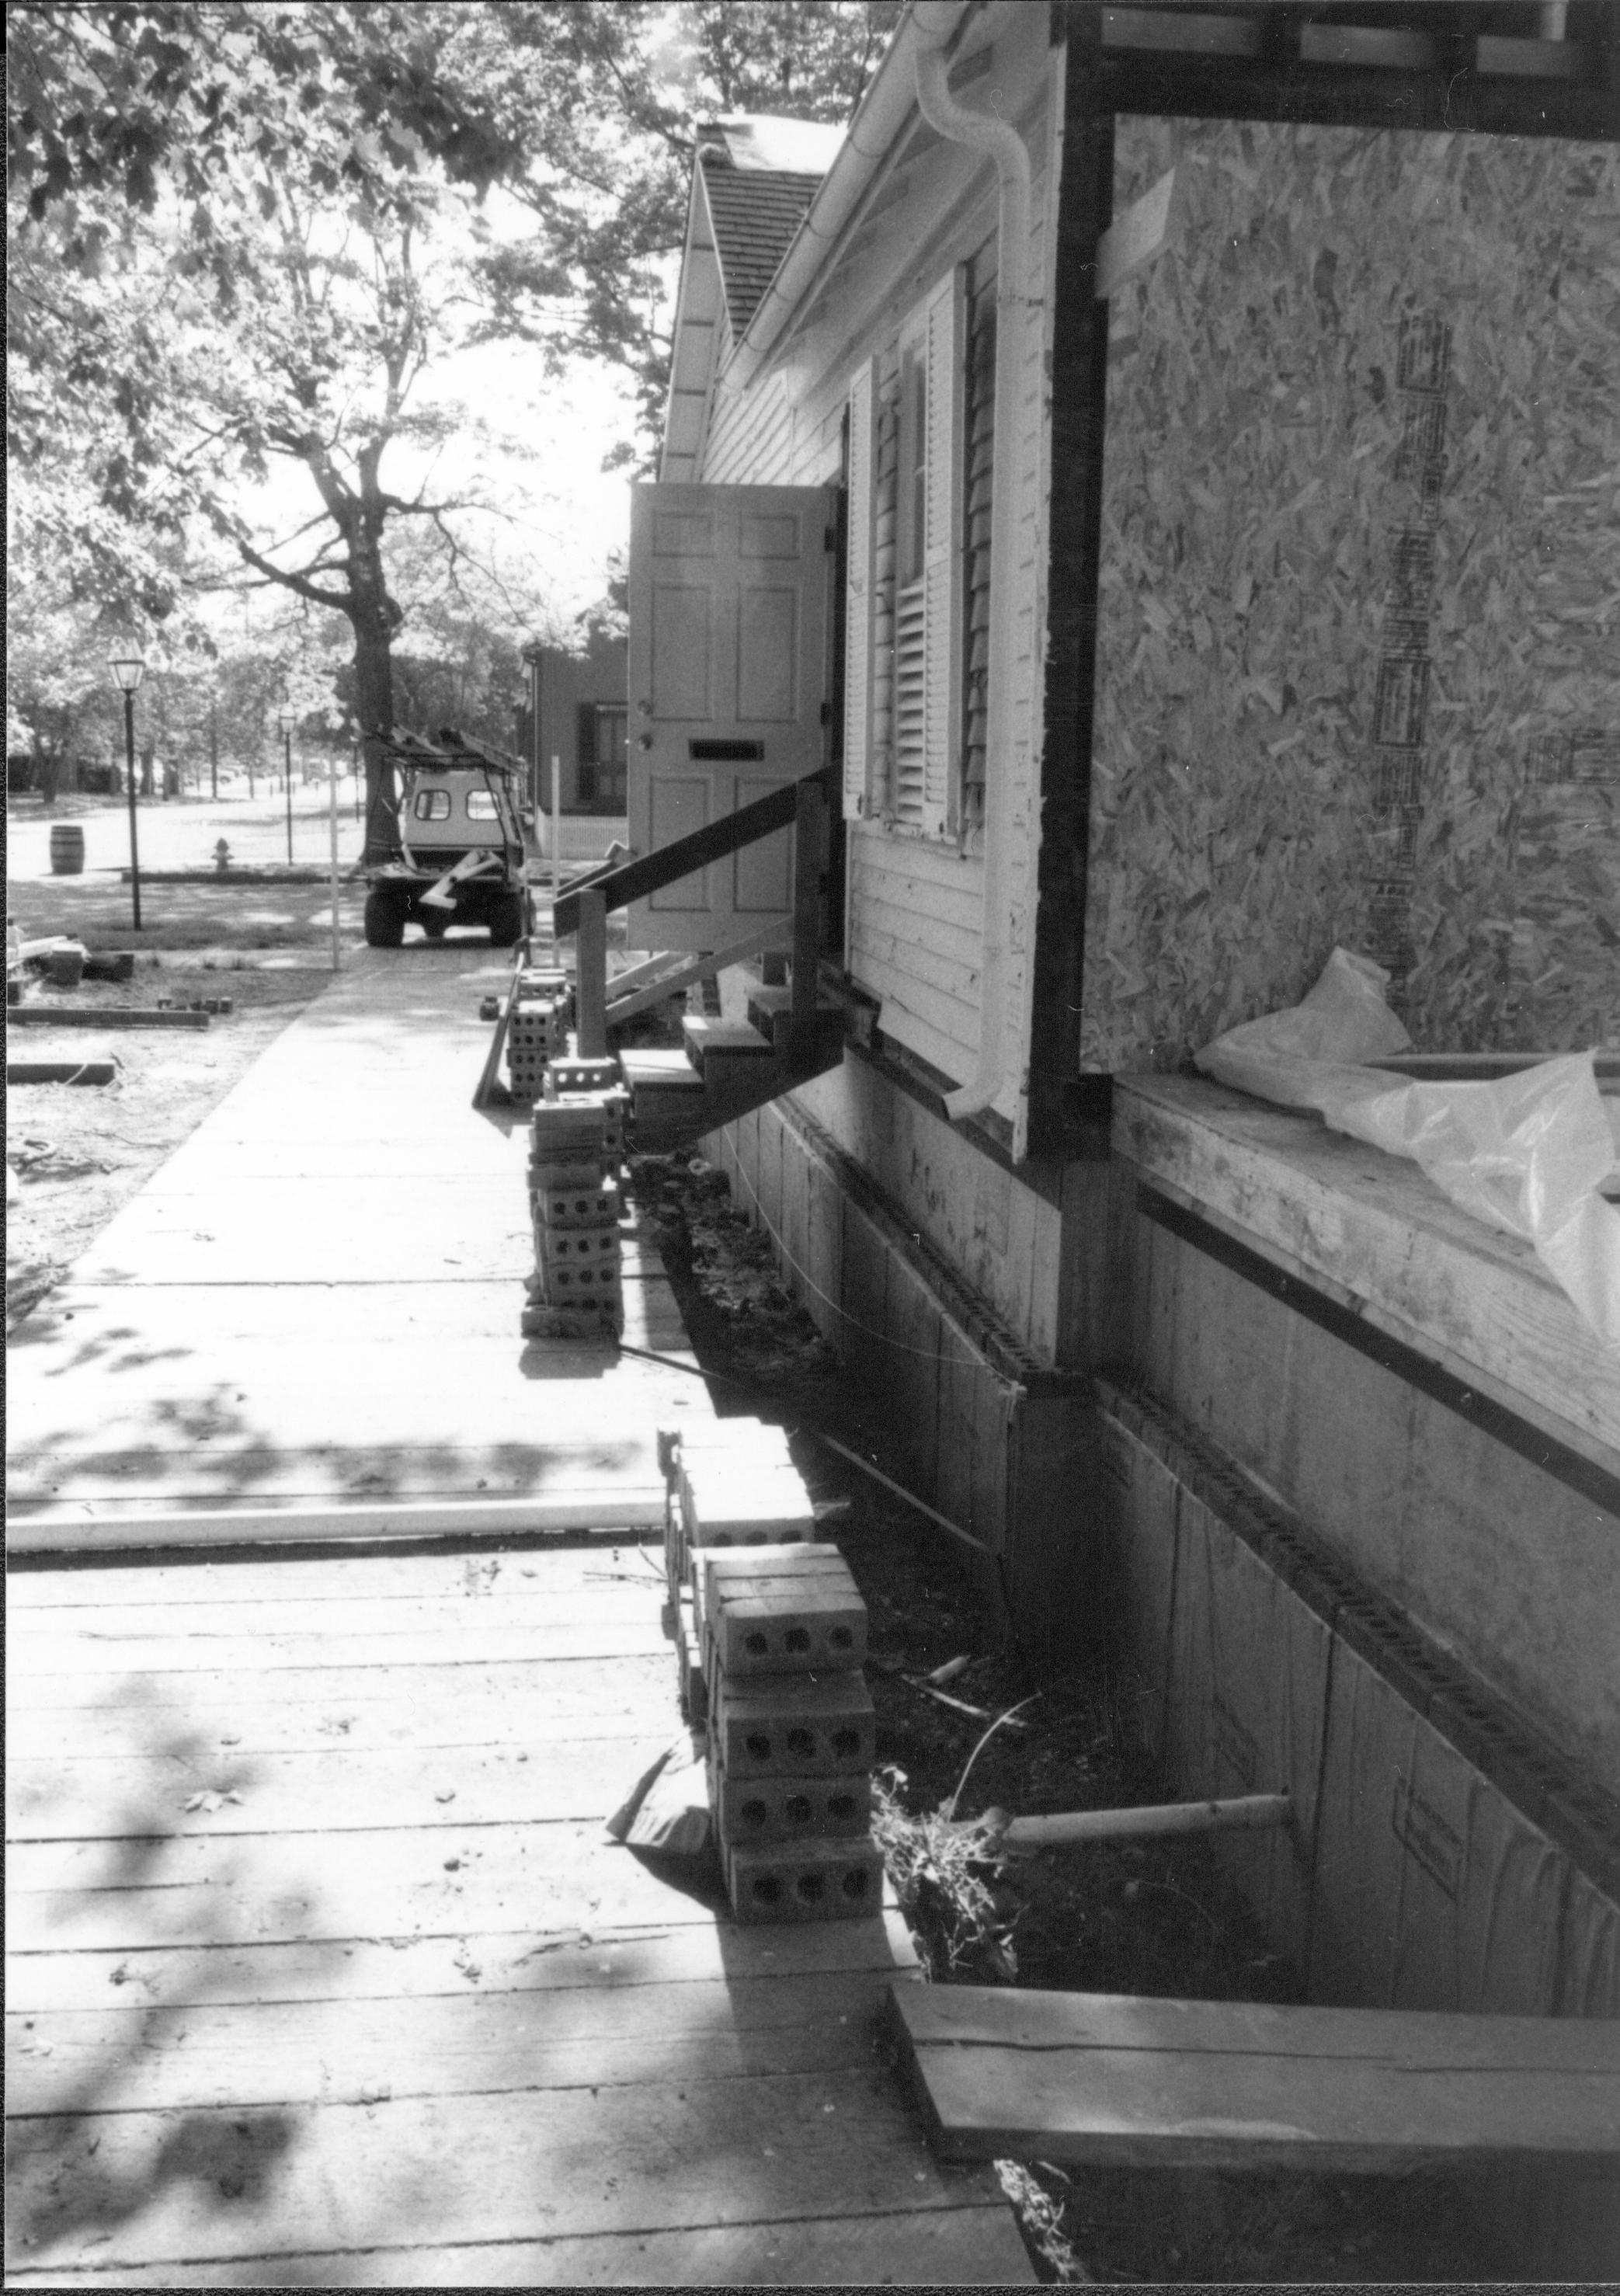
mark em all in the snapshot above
pixel 725 753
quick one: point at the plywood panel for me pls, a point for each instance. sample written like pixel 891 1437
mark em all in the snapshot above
pixel 1271 438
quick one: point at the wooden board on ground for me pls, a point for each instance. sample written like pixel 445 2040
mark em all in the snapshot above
pixel 1112 2080
pixel 970 2246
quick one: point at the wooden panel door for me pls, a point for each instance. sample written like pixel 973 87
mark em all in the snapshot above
pixel 729 603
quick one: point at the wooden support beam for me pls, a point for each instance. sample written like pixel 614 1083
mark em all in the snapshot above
pixel 633 1507
pixel 1107 2079
pixel 590 984
pixel 809 818
pixel 1057 1124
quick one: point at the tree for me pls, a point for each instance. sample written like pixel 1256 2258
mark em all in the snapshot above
pixel 243 234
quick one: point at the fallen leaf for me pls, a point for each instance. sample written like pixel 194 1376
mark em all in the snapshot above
pixel 210 1800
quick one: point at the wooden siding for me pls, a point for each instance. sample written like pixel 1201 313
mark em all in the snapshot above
pixel 783 429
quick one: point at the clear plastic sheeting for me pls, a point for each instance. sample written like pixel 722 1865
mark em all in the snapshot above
pixel 1527 1153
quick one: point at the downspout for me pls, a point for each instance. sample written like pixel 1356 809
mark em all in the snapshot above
pixel 1002 140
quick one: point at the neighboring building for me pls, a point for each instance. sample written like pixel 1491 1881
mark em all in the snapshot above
pixel 582 723
pixel 1178 636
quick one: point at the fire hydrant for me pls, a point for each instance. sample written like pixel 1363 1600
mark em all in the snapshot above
pixel 222 856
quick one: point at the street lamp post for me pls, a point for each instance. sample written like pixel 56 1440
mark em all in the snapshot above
pixel 127 671
pixel 286 725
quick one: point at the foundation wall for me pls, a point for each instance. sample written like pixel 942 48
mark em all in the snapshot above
pixel 992 1435
pixel 1414 1875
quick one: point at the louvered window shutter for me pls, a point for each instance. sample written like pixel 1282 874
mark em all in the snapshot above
pixel 860 590
pixel 946 324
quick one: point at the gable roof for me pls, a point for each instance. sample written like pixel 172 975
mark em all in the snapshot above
pixel 759 176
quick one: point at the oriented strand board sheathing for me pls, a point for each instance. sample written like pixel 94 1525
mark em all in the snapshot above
pixel 1260 510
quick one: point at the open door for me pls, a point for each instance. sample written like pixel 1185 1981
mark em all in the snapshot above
pixel 730 592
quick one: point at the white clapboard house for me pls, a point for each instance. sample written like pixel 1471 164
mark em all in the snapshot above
pixel 1155 469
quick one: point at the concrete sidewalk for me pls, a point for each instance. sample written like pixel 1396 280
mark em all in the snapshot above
pixel 316 1300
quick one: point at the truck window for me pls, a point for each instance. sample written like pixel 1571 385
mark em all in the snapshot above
pixel 481 805
pixel 433 805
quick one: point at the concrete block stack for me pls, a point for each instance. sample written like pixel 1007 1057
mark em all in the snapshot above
pixel 538 1028
pixel 770 1632
pixel 576 1147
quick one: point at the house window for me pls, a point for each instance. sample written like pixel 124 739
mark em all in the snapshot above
pixel 905 600
pixel 604 742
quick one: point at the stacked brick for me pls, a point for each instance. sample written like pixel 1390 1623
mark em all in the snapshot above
pixel 770 1633
pixel 538 1028
pixel 576 1145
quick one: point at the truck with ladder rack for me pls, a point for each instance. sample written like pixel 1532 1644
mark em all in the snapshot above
pixel 454 851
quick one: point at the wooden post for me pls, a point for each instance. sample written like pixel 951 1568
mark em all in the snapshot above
pixel 556 834
pixel 807 816
pixel 591 982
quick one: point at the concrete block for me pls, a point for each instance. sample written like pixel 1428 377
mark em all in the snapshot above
pixel 602 1320
pixel 569 1074
pixel 806 1882
pixel 794 1724
pixel 577 1248
pixel 736 1565
pixel 598 1206
pixel 751 1812
pixel 798 1624
pixel 557 1175
pixel 569 1129
pixel 731 1506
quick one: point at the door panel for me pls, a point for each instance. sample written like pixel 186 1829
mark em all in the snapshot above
pixel 677 809
pixel 729 601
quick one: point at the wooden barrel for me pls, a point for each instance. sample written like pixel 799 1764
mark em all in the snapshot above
pixel 67 849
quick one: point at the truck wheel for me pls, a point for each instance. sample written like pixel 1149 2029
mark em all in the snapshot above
pixel 385 918
pixel 506 920
pixel 435 922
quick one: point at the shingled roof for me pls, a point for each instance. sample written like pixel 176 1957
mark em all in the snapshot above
pixel 755 208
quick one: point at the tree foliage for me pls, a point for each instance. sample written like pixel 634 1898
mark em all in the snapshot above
pixel 243 232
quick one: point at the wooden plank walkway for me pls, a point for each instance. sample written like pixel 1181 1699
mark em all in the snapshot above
pixel 315 1300
pixel 1110 2079
pixel 323 1971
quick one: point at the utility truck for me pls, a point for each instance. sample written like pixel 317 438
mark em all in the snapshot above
pixel 455 849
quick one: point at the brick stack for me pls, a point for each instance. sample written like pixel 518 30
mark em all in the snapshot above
pixel 538 1028
pixel 575 1152
pixel 771 1633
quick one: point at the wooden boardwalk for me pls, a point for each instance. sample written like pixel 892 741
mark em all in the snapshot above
pixel 323 1971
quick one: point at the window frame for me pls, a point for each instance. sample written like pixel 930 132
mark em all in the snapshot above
pixel 921 602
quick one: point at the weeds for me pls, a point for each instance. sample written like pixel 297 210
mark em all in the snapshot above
pixel 1041 2214
pixel 943 1875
